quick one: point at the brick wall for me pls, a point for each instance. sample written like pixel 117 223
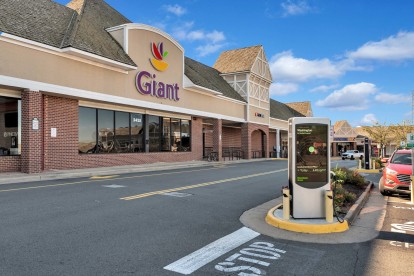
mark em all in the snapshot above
pixel 251 140
pixel 32 140
pixel 60 152
pixel 231 137
pixel 9 163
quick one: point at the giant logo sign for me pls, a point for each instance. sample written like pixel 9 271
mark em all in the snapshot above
pixel 147 83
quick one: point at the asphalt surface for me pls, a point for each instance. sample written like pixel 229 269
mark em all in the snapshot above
pixel 84 226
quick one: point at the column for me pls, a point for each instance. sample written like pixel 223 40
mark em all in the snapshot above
pixel 32 129
pixel 246 141
pixel 277 143
pixel 217 139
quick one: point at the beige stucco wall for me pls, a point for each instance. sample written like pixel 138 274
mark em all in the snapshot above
pixel 42 66
pixel 259 120
pixel 278 124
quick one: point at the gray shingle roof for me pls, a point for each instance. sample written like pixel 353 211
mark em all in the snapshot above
pixel 42 21
pixel 53 24
pixel 281 111
pixel 210 78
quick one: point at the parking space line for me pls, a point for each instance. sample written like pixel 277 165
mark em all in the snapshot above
pixel 212 251
pixel 198 185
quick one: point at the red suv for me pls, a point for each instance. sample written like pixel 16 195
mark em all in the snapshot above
pixel 396 176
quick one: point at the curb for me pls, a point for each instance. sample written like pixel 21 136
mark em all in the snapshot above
pixel 305 228
pixel 357 206
pixel 321 228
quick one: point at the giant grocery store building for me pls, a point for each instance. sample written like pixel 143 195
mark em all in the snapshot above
pixel 81 86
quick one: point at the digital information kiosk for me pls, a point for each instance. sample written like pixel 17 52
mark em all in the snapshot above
pixel 309 165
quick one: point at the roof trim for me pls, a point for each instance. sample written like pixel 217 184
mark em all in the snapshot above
pixel 137 26
pixel 69 50
pixel 188 84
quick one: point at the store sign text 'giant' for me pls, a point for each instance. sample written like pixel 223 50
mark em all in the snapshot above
pixel 148 85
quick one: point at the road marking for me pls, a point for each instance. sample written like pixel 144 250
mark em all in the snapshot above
pixel 100 180
pixel 402 228
pixel 198 185
pixel 177 194
pixel 103 176
pixel 113 186
pixel 212 251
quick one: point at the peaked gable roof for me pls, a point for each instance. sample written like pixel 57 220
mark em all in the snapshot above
pixel 50 23
pixel 302 107
pixel 210 78
pixel 282 111
pixel 89 34
pixel 238 60
pixel 344 129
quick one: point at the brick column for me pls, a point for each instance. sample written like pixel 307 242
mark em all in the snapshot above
pixel 31 155
pixel 217 139
pixel 246 141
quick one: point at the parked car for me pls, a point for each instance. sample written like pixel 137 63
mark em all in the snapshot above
pixel 396 176
pixel 352 154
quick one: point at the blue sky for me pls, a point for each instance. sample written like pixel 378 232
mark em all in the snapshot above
pixel 353 59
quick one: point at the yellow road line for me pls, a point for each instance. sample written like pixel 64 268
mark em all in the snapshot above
pixel 100 180
pixel 198 185
pixel 103 176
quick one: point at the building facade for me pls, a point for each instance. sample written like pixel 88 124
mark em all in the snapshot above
pixel 82 86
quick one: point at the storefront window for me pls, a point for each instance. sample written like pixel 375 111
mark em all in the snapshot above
pixel 122 136
pixel 87 130
pixel 106 135
pixel 154 133
pixel 107 131
pixel 166 129
pixel 10 126
pixel 137 132
pixel 175 134
pixel 185 136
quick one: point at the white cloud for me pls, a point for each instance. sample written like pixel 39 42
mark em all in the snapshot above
pixel 181 32
pixel 213 41
pixel 285 67
pixel 175 9
pixel 392 98
pixel 215 36
pixel 369 119
pixel 291 7
pixel 280 89
pixel 393 48
pixel 351 97
pixel 208 48
pixel 324 88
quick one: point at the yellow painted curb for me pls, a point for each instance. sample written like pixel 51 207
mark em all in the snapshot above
pixel 305 228
pixel 368 171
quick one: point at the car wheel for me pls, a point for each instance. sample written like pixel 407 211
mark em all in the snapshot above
pixel 361 157
pixel 381 187
pixel 352 157
pixel 343 158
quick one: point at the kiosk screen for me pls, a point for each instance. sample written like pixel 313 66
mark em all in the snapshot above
pixel 311 155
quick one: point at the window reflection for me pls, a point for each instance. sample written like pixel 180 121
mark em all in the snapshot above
pixel 10 126
pixel 107 131
pixel 154 133
pixel 87 130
